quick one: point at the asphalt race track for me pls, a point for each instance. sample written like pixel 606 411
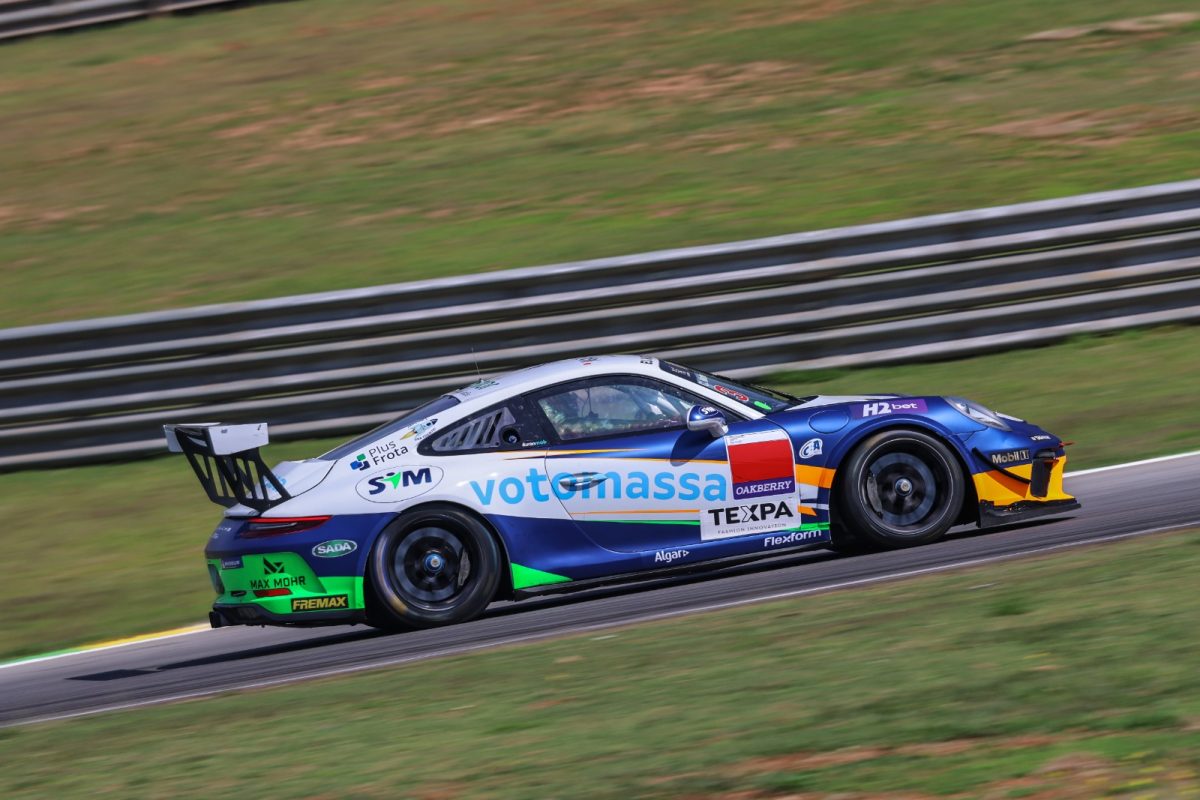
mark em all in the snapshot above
pixel 1153 497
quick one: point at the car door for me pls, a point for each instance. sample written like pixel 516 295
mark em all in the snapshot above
pixel 635 479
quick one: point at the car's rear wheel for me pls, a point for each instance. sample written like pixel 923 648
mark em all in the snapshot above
pixel 900 488
pixel 433 566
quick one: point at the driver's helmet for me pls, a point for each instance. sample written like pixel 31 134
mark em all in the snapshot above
pixel 562 407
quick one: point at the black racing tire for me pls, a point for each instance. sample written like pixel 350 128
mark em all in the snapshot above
pixel 432 566
pixel 900 488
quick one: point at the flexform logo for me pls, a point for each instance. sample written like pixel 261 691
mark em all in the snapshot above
pixel 795 537
pixel 881 407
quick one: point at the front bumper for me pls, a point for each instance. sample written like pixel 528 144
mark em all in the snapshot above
pixel 991 515
pixel 1022 492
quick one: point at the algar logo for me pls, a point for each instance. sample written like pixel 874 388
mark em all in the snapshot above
pixel 634 485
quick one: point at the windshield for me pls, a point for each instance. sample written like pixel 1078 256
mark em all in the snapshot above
pixel 756 397
pixel 388 428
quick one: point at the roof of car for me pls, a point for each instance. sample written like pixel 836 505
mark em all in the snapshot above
pixel 554 372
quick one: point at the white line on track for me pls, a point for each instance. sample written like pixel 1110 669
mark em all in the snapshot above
pixel 1143 462
pixel 579 629
pixel 173 634
pixel 132 640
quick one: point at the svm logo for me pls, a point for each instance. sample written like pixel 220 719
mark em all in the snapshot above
pixel 401 484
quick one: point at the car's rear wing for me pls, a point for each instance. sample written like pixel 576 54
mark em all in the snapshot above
pixel 226 460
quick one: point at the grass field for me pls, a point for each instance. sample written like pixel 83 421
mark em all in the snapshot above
pixel 127 539
pixel 1065 677
pixel 292 147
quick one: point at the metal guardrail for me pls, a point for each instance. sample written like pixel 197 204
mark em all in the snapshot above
pixel 336 362
pixel 29 17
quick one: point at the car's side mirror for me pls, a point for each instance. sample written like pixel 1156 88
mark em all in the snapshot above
pixel 707 418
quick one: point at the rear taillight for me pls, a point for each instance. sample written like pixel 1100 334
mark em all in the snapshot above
pixel 271 592
pixel 258 527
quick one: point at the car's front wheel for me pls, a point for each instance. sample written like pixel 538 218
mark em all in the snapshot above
pixel 433 566
pixel 901 488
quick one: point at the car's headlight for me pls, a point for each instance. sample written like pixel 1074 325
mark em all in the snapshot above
pixel 981 414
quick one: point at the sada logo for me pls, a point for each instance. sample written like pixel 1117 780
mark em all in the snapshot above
pixel 397 485
pixel 334 548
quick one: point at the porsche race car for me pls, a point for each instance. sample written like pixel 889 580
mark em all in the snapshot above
pixel 595 470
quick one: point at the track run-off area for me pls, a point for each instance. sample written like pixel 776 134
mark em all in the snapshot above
pixel 1146 497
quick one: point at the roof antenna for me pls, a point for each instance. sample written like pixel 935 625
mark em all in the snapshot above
pixel 478 374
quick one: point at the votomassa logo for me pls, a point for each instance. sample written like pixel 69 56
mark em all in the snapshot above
pixel 633 485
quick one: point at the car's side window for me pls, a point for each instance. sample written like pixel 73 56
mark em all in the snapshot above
pixel 614 406
pixel 499 427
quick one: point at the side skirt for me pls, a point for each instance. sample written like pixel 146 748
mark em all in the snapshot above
pixel 662 572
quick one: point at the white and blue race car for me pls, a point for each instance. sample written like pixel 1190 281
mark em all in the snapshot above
pixel 594 470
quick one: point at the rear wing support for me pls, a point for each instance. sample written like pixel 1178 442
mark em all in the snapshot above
pixel 226 460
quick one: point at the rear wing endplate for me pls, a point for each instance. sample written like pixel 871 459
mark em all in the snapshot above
pixel 226 460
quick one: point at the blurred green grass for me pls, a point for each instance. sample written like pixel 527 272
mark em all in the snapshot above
pixel 293 147
pixel 118 547
pixel 930 686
